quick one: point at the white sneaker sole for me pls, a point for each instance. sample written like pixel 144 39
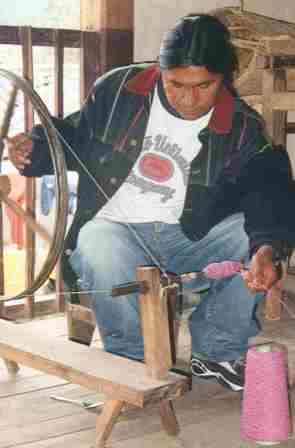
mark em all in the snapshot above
pixel 217 375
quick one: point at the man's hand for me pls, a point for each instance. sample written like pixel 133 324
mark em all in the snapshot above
pixel 262 274
pixel 19 150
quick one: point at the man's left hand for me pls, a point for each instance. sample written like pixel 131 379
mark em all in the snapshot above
pixel 262 274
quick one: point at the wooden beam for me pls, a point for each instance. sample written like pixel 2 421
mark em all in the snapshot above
pixel 96 15
pixel 79 312
pixel 81 323
pixel 282 45
pixel 43 37
pixel 274 85
pixel 90 67
pixel 113 19
pixel 273 62
pixel 154 323
pixel 291 128
pixel 32 224
pixel 282 101
pixel 58 74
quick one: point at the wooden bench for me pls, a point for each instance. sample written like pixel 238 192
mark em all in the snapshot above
pixel 120 379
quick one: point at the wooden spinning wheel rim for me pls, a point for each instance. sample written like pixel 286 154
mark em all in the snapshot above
pixel 59 165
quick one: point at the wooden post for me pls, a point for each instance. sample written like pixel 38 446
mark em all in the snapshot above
pixel 30 193
pixel 156 338
pixel 113 19
pixel 274 81
pixel 155 325
pixel 81 323
pixel 58 74
pixel 90 67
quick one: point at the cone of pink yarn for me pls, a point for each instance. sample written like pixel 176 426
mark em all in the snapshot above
pixel 265 417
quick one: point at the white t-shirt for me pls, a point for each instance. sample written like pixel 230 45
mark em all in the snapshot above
pixel 155 188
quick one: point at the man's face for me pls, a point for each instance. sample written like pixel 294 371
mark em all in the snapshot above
pixel 192 90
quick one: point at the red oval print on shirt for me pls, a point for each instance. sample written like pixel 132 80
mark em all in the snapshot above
pixel 156 168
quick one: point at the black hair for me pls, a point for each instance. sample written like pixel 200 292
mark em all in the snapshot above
pixel 201 40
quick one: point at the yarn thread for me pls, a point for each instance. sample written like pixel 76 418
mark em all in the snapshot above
pixel 265 417
pixel 223 269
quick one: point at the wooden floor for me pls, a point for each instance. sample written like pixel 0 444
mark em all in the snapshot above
pixel 209 416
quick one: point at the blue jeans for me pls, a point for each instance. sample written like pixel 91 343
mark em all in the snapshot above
pixel 108 254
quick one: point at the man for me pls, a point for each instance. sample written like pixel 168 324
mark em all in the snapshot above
pixel 174 170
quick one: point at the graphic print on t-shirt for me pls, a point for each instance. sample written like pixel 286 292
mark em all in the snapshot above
pixel 155 167
pixel 159 162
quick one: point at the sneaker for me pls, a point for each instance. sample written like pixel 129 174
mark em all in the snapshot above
pixel 228 373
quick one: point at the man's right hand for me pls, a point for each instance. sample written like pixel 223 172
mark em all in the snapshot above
pixel 19 150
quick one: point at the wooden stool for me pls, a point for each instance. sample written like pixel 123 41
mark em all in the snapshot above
pixel 122 380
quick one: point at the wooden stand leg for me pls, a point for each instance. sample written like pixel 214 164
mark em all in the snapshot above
pixel 81 325
pixel 11 366
pixel 106 421
pixel 173 320
pixel 2 310
pixel 169 421
pixel 273 304
pixel 154 324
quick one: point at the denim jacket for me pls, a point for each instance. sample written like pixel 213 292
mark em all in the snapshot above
pixel 236 170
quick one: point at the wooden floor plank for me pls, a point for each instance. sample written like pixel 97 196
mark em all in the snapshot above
pixel 12 387
pixel 204 423
pixel 38 406
pixel 208 416
pixel 49 429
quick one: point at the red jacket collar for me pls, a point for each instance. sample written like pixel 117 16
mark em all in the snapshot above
pixel 222 117
pixel 144 82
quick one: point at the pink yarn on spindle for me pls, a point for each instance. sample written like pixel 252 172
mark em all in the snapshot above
pixel 223 269
pixel 265 408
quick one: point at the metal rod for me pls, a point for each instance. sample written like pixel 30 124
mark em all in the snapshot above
pixel 82 404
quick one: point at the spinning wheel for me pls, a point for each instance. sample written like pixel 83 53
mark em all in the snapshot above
pixel 14 91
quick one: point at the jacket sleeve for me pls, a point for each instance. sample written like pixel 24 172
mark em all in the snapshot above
pixel 268 199
pixel 75 134
pixel 41 161
pixel 79 133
